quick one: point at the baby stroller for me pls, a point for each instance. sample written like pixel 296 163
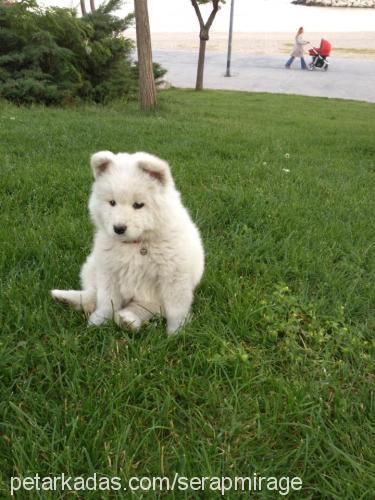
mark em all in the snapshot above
pixel 319 56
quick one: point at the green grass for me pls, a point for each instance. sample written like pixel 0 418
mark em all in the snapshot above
pixel 275 372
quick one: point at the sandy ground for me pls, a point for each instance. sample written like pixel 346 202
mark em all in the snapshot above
pixel 353 45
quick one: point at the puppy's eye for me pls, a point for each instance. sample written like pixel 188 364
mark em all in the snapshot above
pixel 112 203
pixel 137 206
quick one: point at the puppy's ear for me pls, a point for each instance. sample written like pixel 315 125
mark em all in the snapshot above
pixel 100 162
pixel 154 167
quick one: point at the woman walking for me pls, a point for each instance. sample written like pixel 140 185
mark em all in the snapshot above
pixel 298 50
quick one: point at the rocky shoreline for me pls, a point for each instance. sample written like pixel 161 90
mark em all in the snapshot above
pixel 364 4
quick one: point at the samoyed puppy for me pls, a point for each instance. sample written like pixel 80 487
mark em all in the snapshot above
pixel 147 257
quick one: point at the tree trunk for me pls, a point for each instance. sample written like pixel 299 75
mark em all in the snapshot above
pixel 147 91
pixel 92 5
pixel 83 7
pixel 200 69
pixel 203 37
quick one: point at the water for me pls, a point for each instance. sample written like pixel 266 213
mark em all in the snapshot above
pixel 261 15
pixel 250 16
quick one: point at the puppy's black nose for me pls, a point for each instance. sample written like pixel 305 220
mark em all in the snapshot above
pixel 119 229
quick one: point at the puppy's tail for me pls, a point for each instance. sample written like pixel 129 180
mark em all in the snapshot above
pixel 78 299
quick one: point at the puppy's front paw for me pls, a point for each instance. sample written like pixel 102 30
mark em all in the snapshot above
pixel 174 325
pixel 96 319
pixel 173 329
pixel 127 319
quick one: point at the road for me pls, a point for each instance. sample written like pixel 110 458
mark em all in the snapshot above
pixel 345 79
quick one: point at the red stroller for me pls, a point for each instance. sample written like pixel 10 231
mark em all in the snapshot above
pixel 319 56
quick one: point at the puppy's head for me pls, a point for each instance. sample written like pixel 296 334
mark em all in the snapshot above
pixel 129 194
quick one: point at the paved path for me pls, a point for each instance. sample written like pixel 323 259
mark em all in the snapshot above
pixel 346 78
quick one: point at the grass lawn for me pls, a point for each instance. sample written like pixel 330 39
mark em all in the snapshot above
pixel 275 372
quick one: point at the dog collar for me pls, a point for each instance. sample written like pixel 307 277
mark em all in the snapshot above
pixel 142 251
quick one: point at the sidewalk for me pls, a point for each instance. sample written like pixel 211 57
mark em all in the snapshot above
pixel 345 79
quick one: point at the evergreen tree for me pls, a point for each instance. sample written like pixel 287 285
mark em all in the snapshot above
pixel 52 56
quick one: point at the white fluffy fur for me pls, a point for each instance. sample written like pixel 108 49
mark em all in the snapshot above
pixel 117 280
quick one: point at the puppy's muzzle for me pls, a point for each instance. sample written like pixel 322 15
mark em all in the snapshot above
pixel 119 229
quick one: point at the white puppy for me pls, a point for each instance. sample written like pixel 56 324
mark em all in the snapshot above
pixel 147 256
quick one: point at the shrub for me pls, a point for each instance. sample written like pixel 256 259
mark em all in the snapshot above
pixel 51 56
